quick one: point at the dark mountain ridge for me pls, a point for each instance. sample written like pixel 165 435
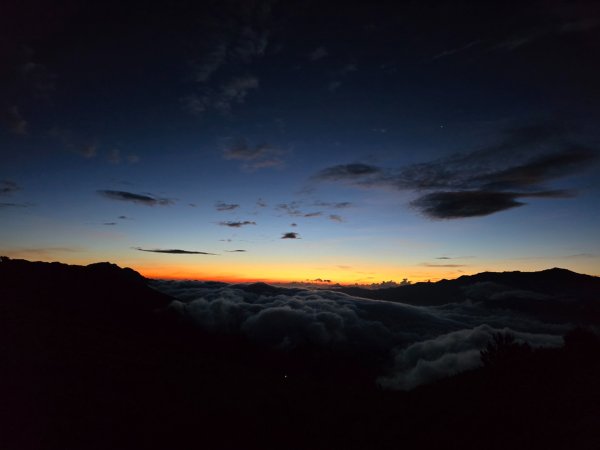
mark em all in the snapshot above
pixel 554 281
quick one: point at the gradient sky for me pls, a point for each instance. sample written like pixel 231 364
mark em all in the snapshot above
pixel 294 141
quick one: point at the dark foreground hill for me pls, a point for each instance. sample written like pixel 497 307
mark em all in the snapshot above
pixel 92 358
pixel 561 293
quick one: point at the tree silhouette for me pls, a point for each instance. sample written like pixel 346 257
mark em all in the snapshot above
pixel 503 350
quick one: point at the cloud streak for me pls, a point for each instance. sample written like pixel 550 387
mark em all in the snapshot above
pixel 141 199
pixel 173 251
pixel 222 206
pixel 234 224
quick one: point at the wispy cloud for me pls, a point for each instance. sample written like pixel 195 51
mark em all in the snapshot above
pixel 291 209
pixel 236 251
pixel 14 205
pixel 455 50
pixel 443 265
pixel 234 224
pixel 232 39
pixel 116 157
pixel 235 41
pixel 335 218
pixel 221 206
pixel 454 257
pixel 350 172
pixel 221 99
pixel 333 205
pixel 85 146
pixel 256 157
pixel 8 187
pixel 142 199
pixel 318 53
pixel 483 181
pixel 173 251
pixel 13 120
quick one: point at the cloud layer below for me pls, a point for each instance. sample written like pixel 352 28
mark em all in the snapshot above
pixel 416 344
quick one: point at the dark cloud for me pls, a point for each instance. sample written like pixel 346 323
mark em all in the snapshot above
pixel 261 203
pixel 291 209
pixel 233 36
pixel 8 187
pixel 294 209
pixel 88 151
pixel 483 181
pixel 318 53
pixel 454 257
pixel 74 142
pixel 143 199
pixel 235 251
pixel 234 224
pixel 293 224
pixel 221 206
pixel 455 50
pixel 453 205
pixel 124 218
pixel 222 98
pixel 347 172
pixel 443 265
pixel 14 205
pixel 173 251
pixel 225 47
pixel 333 205
pixel 13 120
pixel 256 157
pixel 460 204
pixel 109 223
pixel 539 170
pixel 115 157
pixel 290 235
pixel 335 218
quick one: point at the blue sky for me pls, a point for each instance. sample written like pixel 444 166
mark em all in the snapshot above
pixel 413 141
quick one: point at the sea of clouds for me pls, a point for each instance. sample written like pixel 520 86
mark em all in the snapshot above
pixel 417 344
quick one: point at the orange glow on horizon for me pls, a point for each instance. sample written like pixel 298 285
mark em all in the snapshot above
pixel 357 272
pixel 296 275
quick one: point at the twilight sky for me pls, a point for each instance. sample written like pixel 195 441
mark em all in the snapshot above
pixel 298 140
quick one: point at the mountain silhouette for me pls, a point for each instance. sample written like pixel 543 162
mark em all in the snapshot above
pixel 562 294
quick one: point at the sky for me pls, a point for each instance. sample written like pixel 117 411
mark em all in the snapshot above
pixel 302 141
